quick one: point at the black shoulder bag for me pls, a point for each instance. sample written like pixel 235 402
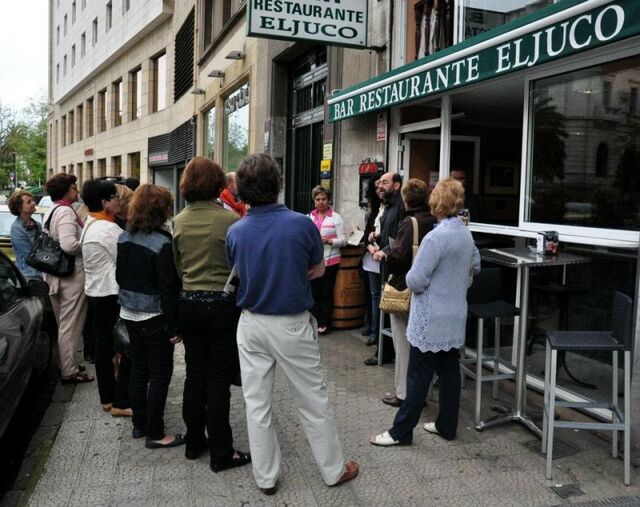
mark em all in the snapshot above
pixel 47 256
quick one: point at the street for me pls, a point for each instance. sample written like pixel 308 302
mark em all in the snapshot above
pixel 94 460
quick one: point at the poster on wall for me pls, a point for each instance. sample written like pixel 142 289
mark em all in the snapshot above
pixel 335 22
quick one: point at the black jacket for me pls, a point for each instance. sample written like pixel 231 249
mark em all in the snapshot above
pixel 146 274
pixel 399 259
pixel 393 214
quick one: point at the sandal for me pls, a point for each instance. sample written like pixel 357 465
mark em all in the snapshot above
pixel 178 439
pixel 383 439
pixel 242 458
pixel 78 378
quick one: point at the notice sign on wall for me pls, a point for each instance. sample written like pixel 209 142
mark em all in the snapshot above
pixel 336 22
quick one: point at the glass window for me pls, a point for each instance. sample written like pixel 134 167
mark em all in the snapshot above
pixel 73 55
pixel 117 103
pixel 63 137
pixel 83 44
pixel 71 127
pixel 90 117
pixel 429 27
pixel 126 5
pixel 102 110
pixel 108 17
pixel 58 35
pixel 135 91
pixel 586 154
pixel 94 32
pixel 9 284
pixel 210 133
pixel 215 16
pixel 73 12
pixel 482 15
pixel 159 91
pixel 236 128
pixel 80 115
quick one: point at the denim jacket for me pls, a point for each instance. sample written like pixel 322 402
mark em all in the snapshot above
pixel 22 238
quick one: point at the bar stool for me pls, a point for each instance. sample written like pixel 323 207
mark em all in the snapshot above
pixel 484 302
pixel 614 341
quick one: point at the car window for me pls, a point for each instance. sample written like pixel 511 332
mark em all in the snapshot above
pixel 6 219
pixel 10 284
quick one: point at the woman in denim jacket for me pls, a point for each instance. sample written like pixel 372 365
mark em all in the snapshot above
pixel 24 231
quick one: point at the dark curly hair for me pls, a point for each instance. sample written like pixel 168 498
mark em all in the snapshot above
pixel 15 201
pixel 149 209
pixel 59 184
pixel 259 180
pixel 202 180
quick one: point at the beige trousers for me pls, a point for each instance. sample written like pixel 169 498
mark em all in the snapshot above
pixel 70 308
pixel 402 346
pixel 290 342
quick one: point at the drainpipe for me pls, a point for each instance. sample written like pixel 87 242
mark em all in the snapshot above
pixel 635 375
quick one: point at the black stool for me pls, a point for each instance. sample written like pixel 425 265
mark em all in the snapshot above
pixel 563 294
pixel 484 300
pixel 619 339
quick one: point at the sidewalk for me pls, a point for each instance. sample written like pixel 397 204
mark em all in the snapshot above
pixel 94 460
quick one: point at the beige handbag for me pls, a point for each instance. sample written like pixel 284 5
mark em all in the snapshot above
pixel 397 301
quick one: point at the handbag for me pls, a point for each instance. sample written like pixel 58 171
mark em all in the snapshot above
pixel 47 256
pixel 397 301
pixel 121 341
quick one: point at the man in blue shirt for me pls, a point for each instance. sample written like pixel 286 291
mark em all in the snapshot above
pixel 276 252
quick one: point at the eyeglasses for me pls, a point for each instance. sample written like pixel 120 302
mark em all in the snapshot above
pixel 114 196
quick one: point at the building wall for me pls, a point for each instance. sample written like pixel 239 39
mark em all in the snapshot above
pixel 134 47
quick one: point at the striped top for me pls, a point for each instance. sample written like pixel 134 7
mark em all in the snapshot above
pixel 332 228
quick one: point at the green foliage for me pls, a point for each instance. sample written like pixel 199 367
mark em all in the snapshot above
pixel 23 142
pixel 549 148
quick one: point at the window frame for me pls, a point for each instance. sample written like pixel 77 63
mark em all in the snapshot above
pixel 618 238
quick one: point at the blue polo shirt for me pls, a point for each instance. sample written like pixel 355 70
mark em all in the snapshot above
pixel 272 248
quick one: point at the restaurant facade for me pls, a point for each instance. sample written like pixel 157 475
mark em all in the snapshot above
pixel 537 103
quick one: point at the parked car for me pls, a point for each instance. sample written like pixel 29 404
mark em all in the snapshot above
pixel 6 219
pixel 25 349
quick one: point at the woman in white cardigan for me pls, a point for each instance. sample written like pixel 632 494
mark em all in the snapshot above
pixel 331 228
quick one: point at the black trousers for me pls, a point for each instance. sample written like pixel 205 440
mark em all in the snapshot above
pixel 211 354
pixel 322 290
pixel 104 312
pixel 422 365
pixel 151 370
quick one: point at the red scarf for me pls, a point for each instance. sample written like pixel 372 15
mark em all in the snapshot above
pixel 239 207
pixel 65 202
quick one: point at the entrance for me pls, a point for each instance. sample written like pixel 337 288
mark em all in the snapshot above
pixel 308 82
pixel 421 157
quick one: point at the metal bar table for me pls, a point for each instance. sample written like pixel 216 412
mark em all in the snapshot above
pixel 523 259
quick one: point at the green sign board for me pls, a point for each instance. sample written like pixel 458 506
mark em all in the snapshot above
pixel 582 26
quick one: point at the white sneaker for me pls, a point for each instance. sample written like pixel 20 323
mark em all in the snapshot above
pixel 430 427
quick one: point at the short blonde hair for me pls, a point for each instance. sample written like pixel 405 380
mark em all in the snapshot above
pixel 415 193
pixel 447 198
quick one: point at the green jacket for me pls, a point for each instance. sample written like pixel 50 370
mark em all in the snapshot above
pixel 199 234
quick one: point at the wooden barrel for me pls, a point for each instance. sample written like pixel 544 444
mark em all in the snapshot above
pixel 348 292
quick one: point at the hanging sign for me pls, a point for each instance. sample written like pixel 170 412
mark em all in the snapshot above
pixel 561 30
pixel 336 22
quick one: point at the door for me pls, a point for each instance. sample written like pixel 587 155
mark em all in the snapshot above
pixel 308 81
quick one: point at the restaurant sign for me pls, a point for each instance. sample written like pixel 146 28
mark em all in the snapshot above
pixel 336 22
pixel 519 45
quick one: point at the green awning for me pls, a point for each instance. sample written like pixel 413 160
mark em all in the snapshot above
pixel 560 30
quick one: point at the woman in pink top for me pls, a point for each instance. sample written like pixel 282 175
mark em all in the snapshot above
pixel 331 227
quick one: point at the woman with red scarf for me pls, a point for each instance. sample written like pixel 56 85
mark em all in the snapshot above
pixel 67 294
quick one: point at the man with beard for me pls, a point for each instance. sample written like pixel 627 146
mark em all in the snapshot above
pixel 389 192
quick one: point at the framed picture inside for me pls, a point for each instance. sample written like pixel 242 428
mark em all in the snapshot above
pixel 502 177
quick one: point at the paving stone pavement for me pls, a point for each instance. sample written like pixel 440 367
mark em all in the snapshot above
pixel 95 462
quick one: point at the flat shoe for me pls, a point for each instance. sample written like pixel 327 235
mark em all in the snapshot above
pixel 178 439
pixel 371 341
pixel 195 451
pixel 392 401
pixel 138 433
pixel 243 458
pixel 78 378
pixel 350 472
pixel 431 428
pixel 383 439
pixel 121 412
pixel 269 491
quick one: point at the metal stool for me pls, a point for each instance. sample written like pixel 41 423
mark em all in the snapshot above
pixel 614 341
pixel 485 303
